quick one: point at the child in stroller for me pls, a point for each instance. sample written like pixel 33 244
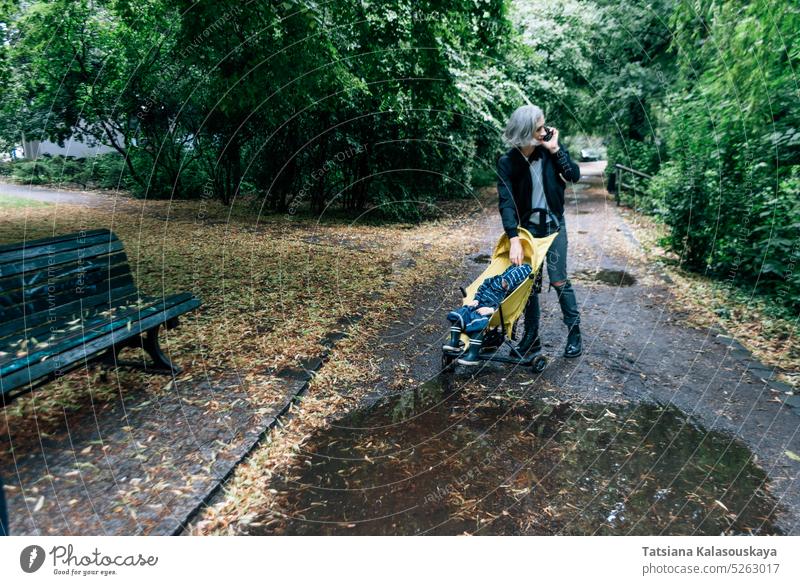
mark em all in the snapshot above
pixel 493 303
pixel 473 317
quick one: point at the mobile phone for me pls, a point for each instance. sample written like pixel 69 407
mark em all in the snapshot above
pixel 548 134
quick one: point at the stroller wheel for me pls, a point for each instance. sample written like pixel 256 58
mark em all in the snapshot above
pixel 448 361
pixel 539 363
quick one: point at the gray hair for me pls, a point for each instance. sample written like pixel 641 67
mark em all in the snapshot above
pixel 520 127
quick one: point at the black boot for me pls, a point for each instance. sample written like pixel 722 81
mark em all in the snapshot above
pixel 530 345
pixel 471 357
pixel 574 347
pixel 455 343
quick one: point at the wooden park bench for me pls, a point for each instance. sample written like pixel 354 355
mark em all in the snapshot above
pixel 71 300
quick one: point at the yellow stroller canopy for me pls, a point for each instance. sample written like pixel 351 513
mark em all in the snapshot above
pixel 534 251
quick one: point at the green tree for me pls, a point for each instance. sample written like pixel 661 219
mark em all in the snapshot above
pixel 557 41
pixel 731 125
pixel 92 67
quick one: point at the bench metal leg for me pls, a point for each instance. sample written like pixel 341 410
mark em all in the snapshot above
pixel 148 341
pixel 151 345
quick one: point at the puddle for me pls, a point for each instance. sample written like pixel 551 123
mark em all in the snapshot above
pixel 612 277
pixel 432 462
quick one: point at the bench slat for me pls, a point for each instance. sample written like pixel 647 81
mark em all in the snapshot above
pixel 10 364
pixel 88 315
pixel 92 349
pixel 54 240
pixel 54 331
pixel 65 286
pixel 31 250
pixel 40 277
pixel 42 262
pixel 58 330
pixel 43 304
pixel 67 311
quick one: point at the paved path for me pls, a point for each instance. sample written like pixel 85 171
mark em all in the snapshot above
pixel 55 196
pixel 722 414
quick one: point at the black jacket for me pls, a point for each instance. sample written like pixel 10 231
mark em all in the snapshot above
pixel 515 188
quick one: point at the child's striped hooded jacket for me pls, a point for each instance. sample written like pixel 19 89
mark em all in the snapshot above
pixel 493 290
pixel 490 293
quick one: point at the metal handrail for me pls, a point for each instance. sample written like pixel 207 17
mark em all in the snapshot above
pixel 634 171
pixel 618 179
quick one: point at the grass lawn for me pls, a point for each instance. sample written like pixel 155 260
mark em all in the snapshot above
pixel 11 202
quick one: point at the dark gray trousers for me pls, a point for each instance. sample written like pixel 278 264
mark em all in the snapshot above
pixel 556 262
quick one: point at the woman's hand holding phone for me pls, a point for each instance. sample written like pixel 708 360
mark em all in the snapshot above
pixel 550 139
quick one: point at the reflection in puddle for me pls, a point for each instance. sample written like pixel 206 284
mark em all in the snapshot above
pixel 606 276
pixel 427 461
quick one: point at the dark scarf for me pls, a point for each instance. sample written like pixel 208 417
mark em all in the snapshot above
pixel 536 154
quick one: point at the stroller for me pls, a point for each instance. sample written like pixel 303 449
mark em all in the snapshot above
pixel 501 327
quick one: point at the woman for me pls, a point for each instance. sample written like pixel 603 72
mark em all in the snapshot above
pixel 532 175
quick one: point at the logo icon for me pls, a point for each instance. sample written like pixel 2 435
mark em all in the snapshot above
pixel 31 558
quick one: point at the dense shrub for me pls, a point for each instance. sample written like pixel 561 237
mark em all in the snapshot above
pixel 705 100
pixel 32 172
pixel 106 171
pixel 730 187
